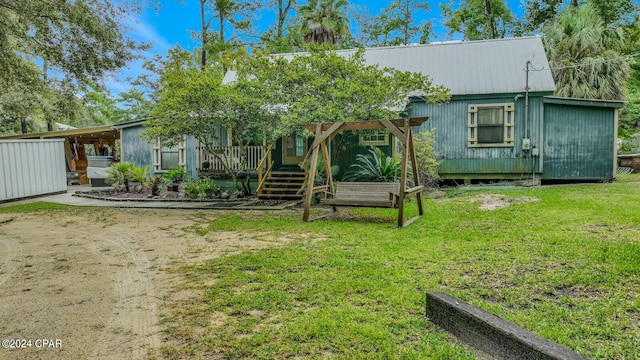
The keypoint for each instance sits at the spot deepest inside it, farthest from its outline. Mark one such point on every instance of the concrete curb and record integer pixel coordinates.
(492, 334)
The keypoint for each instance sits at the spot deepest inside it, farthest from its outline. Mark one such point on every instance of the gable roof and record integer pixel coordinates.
(466, 67)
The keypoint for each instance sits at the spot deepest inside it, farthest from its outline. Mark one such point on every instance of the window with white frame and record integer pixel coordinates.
(375, 138)
(491, 125)
(167, 158)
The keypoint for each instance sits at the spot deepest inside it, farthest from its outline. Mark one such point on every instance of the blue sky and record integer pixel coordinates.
(170, 25)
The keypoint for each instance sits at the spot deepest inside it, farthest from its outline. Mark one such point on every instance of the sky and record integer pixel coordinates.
(170, 25)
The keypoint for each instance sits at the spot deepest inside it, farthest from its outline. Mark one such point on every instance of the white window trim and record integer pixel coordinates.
(509, 125)
(157, 152)
(383, 142)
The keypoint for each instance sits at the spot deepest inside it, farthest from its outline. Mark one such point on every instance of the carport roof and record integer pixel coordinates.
(97, 132)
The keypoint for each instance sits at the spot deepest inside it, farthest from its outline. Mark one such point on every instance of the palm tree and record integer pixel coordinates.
(584, 58)
(324, 21)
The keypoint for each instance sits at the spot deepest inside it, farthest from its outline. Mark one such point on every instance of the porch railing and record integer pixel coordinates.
(236, 157)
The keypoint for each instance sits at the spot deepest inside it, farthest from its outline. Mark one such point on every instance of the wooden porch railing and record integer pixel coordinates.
(236, 157)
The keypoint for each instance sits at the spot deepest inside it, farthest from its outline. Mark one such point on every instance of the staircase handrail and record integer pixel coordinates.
(262, 180)
(262, 161)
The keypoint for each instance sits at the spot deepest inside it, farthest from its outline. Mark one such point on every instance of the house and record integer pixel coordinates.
(188, 154)
(502, 122)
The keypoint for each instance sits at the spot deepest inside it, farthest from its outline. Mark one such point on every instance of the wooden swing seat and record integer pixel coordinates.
(368, 194)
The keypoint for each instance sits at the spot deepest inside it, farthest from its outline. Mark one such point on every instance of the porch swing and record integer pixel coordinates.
(389, 195)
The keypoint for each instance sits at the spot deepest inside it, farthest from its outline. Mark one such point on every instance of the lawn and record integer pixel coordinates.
(563, 262)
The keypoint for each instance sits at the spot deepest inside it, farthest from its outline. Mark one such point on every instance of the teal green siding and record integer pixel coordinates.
(579, 142)
(461, 161)
(135, 149)
(191, 144)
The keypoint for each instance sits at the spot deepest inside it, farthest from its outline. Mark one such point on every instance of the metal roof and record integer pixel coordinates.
(96, 132)
(466, 67)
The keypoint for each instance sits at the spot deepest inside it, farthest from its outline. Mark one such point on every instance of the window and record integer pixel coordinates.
(375, 138)
(167, 158)
(491, 125)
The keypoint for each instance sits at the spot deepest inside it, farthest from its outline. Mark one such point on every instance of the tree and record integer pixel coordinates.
(222, 15)
(78, 41)
(478, 19)
(283, 36)
(274, 95)
(327, 87)
(583, 55)
(394, 25)
(537, 14)
(192, 102)
(82, 39)
(324, 21)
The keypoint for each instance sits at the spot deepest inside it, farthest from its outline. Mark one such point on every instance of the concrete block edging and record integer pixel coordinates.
(490, 333)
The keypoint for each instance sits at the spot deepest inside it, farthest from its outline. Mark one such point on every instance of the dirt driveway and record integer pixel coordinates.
(91, 283)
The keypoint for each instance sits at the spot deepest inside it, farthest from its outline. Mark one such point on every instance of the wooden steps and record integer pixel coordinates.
(283, 185)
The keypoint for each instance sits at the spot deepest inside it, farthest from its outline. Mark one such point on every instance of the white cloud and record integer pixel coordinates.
(139, 30)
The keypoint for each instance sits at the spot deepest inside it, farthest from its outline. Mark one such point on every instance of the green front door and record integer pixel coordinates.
(294, 147)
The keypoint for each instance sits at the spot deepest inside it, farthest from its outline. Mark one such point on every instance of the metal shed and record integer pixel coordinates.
(31, 168)
(579, 139)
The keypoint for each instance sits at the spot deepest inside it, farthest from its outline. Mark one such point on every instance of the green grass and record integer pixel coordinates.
(565, 267)
(34, 206)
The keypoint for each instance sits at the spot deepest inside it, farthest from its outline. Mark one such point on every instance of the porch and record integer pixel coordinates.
(282, 184)
(236, 158)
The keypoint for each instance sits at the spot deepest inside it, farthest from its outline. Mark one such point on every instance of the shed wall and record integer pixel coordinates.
(31, 168)
(136, 149)
(579, 142)
(458, 160)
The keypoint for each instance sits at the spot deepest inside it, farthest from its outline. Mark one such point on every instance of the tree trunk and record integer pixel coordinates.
(203, 59)
(23, 125)
(221, 19)
(487, 4)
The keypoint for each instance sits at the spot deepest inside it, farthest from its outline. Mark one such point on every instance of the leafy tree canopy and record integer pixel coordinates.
(77, 41)
(395, 24)
(584, 55)
(273, 96)
(478, 19)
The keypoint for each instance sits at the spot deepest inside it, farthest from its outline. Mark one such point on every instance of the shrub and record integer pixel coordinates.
(155, 183)
(176, 175)
(375, 167)
(119, 175)
(426, 157)
(202, 188)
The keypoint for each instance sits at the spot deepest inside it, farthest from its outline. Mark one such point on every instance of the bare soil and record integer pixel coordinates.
(99, 280)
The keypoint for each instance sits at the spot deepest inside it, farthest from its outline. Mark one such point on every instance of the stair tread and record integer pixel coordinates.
(298, 196)
(290, 190)
(288, 172)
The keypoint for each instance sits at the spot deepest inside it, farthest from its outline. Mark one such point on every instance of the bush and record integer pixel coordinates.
(426, 157)
(202, 188)
(121, 174)
(155, 183)
(375, 167)
(176, 175)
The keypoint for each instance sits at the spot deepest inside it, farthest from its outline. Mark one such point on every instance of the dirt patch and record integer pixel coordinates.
(492, 202)
(99, 280)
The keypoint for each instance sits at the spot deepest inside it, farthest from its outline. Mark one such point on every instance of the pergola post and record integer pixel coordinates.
(312, 175)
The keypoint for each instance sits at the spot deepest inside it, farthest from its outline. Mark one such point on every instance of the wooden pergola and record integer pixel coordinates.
(400, 128)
